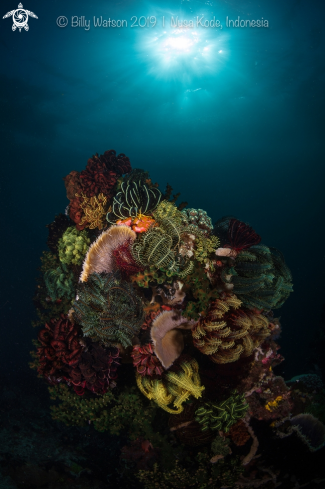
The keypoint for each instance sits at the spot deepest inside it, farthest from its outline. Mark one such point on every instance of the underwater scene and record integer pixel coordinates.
(162, 295)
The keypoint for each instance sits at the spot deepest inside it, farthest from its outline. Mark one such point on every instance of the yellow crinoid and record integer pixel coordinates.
(228, 331)
(272, 405)
(175, 388)
(95, 209)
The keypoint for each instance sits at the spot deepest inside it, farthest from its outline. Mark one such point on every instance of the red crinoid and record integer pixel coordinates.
(60, 348)
(72, 184)
(146, 361)
(96, 369)
(124, 260)
(76, 213)
(102, 172)
(241, 236)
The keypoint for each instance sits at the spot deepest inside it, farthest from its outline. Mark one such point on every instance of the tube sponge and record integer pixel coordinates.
(168, 341)
(73, 246)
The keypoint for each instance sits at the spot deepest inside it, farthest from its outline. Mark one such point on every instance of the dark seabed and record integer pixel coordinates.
(233, 119)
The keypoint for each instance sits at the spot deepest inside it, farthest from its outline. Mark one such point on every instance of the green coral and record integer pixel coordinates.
(49, 261)
(152, 274)
(128, 411)
(204, 247)
(75, 410)
(60, 282)
(73, 246)
(220, 446)
(108, 309)
(160, 275)
(204, 474)
(221, 416)
(46, 308)
(168, 210)
(131, 413)
(198, 285)
(260, 277)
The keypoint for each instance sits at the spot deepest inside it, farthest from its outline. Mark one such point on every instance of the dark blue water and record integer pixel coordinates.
(232, 118)
(237, 132)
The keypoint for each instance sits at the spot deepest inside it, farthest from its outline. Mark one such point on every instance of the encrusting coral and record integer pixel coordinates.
(199, 218)
(135, 283)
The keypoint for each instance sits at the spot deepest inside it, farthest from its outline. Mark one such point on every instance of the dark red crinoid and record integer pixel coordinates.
(241, 236)
(146, 361)
(102, 172)
(60, 349)
(124, 260)
(96, 369)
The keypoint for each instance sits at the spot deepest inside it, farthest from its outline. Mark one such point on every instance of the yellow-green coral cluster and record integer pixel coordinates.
(73, 246)
(206, 475)
(127, 411)
(204, 247)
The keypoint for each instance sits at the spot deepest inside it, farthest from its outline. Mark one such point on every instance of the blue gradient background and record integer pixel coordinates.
(239, 132)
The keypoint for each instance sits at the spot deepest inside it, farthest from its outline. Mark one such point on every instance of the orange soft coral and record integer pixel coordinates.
(139, 224)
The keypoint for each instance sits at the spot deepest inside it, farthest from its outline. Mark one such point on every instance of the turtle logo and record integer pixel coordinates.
(20, 18)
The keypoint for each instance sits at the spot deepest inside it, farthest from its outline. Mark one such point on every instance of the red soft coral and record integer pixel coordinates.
(72, 184)
(102, 172)
(76, 213)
